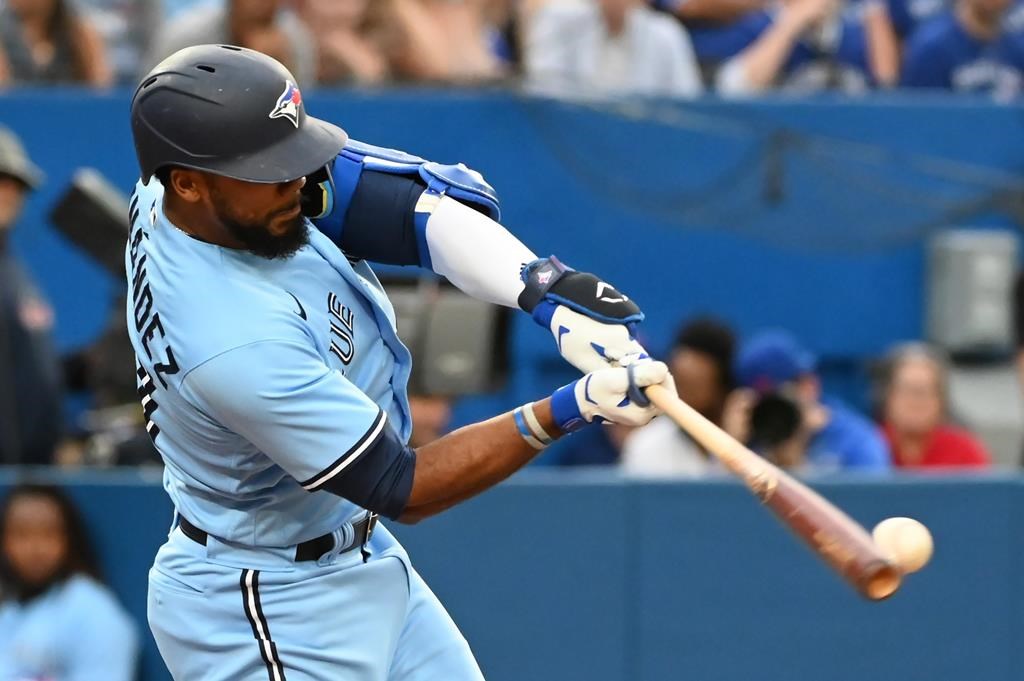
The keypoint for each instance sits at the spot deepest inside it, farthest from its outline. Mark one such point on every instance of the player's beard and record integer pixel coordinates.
(258, 239)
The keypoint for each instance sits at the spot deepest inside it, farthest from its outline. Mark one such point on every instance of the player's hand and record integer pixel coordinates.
(604, 395)
(594, 325)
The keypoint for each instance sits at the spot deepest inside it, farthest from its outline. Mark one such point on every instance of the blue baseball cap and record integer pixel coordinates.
(771, 358)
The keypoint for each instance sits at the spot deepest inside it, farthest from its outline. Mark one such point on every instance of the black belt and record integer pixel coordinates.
(307, 550)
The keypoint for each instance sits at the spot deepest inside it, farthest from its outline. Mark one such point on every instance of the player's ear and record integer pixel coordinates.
(187, 183)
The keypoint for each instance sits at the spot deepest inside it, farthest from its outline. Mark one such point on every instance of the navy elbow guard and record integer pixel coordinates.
(380, 479)
(328, 191)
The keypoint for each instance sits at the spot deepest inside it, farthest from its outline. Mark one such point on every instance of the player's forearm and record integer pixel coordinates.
(475, 253)
(759, 65)
(883, 45)
(470, 460)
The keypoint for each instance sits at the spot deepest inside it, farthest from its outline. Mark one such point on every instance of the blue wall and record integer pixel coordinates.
(807, 214)
(587, 576)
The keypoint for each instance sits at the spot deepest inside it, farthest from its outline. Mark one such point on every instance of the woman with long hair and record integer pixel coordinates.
(47, 41)
(915, 417)
(57, 620)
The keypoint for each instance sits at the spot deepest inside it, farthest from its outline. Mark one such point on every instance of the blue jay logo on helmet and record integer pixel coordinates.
(288, 104)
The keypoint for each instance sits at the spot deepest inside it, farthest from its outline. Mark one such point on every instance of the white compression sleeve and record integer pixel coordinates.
(475, 253)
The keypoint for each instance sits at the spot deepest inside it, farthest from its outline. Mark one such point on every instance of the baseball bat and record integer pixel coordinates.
(830, 533)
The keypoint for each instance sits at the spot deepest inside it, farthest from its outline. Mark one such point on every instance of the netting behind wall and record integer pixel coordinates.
(791, 188)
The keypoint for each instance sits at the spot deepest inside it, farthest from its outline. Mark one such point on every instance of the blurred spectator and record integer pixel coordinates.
(57, 620)
(609, 47)
(966, 49)
(172, 9)
(431, 415)
(1018, 334)
(47, 41)
(128, 28)
(803, 45)
(505, 19)
(30, 395)
(782, 414)
(907, 15)
(262, 25)
(915, 404)
(701, 364)
(712, 11)
(438, 40)
(346, 47)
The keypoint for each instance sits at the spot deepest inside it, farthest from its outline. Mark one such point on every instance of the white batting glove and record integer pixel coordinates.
(590, 345)
(592, 322)
(604, 395)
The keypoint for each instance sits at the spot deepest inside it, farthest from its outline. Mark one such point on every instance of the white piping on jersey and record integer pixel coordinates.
(368, 440)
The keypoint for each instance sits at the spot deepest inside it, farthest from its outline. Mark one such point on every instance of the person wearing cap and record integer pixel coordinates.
(781, 412)
(701, 363)
(275, 386)
(30, 379)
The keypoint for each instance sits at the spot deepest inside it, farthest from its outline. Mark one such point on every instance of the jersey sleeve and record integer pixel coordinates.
(107, 649)
(281, 397)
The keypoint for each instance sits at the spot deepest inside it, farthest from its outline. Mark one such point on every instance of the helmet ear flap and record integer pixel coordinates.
(318, 194)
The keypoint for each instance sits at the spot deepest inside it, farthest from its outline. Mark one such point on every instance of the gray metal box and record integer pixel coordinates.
(970, 288)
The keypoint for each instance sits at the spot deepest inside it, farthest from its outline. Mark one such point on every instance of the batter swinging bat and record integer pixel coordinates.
(830, 533)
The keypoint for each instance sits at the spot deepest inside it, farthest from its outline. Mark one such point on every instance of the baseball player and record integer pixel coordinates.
(273, 381)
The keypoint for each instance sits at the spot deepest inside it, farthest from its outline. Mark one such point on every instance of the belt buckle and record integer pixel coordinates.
(371, 522)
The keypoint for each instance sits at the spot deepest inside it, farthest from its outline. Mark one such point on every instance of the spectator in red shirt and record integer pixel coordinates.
(915, 413)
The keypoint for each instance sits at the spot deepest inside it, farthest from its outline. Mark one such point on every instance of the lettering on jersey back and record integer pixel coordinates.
(146, 318)
(147, 323)
(343, 345)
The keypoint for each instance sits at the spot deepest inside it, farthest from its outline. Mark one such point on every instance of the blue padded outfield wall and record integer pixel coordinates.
(586, 576)
(806, 214)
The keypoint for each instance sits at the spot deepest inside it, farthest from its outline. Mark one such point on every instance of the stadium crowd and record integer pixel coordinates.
(676, 48)
(766, 389)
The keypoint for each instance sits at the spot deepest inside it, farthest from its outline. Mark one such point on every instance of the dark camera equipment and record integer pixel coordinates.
(93, 215)
(774, 419)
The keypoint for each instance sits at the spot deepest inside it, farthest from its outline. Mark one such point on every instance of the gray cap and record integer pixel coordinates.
(15, 162)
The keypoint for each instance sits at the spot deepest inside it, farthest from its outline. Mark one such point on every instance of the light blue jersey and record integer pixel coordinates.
(264, 382)
(261, 380)
(76, 631)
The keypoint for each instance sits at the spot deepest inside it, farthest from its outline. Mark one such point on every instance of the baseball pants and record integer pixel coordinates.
(224, 613)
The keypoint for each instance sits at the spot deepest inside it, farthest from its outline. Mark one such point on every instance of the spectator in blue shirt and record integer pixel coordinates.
(804, 45)
(785, 417)
(966, 49)
(907, 15)
(57, 621)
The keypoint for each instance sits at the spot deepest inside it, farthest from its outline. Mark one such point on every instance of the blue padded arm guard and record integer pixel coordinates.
(329, 192)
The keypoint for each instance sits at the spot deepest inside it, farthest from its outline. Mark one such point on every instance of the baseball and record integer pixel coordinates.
(905, 541)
